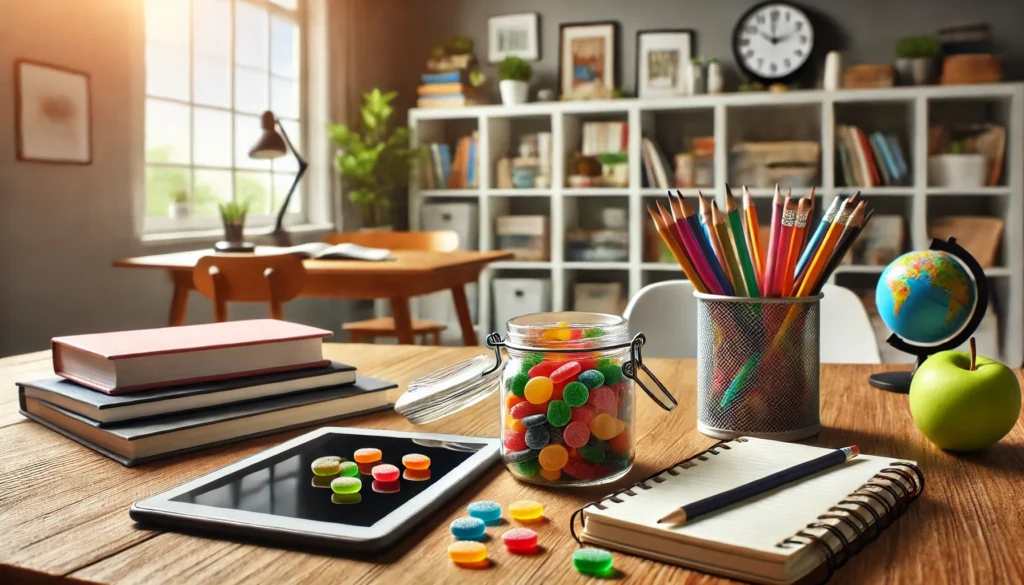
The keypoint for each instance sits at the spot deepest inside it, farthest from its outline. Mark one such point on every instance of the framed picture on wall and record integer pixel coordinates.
(588, 59)
(52, 118)
(661, 59)
(513, 35)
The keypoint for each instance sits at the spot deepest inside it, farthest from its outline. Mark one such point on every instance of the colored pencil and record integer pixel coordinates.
(693, 250)
(729, 251)
(753, 236)
(858, 221)
(739, 241)
(690, 216)
(773, 245)
(670, 236)
(818, 236)
(716, 243)
(824, 252)
(716, 502)
(787, 227)
(796, 244)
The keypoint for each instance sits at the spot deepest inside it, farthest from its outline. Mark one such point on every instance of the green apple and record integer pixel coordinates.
(960, 407)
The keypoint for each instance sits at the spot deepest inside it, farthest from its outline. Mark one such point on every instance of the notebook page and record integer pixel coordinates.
(756, 524)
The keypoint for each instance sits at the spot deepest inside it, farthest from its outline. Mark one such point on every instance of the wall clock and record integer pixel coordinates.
(773, 41)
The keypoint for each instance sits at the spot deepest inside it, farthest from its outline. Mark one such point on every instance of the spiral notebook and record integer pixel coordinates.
(801, 531)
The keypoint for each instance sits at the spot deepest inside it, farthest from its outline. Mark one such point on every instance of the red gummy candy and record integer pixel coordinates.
(576, 334)
(524, 409)
(515, 440)
(385, 473)
(583, 414)
(619, 387)
(558, 389)
(587, 364)
(576, 434)
(578, 469)
(563, 373)
(543, 369)
(604, 400)
(520, 541)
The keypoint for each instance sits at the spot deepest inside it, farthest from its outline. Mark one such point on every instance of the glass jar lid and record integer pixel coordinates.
(450, 389)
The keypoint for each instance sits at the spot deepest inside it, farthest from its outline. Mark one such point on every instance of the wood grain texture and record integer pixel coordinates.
(64, 509)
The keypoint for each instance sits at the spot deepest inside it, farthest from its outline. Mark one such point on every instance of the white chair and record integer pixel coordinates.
(846, 333)
(666, 313)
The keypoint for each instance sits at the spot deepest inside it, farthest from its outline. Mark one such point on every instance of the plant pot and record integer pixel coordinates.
(961, 171)
(233, 231)
(716, 81)
(917, 71)
(513, 92)
(177, 210)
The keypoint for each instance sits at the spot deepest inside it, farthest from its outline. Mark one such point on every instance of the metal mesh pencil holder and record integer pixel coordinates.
(757, 367)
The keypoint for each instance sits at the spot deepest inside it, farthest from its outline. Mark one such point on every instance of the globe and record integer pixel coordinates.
(926, 297)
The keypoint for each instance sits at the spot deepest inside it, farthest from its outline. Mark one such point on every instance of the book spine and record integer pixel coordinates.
(435, 78)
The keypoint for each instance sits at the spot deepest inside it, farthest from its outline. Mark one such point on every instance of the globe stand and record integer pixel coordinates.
(900, 381)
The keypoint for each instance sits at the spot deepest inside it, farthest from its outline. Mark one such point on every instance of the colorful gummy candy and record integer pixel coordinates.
(489, 512)
(551, 475)
(368, 455)
(326, 465)
(553, 457)
(525, 409)
(515, 440)
(592, 561)
(520, 456)
(556, 435)
(349, 468)
(612, 372)
(575, 394)
(543, 369)
(565, 372)
(517, 384)
(528, 468)
(559, 413)
(535, 420)
(579, 469)
(385, 472)
(603, 399)
(465, 551)
(622, 442)
(537, 437)
(592, 454)
(346, 485)
(605, 426)
(591, 378)
(532, 360)
(526, 510)
(467, 528)
(576, 434)
(583, 414)
(538, 390)
(520, 541)
(415, 461)
(416, 474)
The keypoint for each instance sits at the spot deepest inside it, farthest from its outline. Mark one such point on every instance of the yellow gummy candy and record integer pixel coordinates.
(538, 390)
(550, 475)
(525, 510)
(605, 426)
(553, 457)
(561, 332)
(467, 551)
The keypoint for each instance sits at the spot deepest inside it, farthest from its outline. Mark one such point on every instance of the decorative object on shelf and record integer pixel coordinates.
(917, 60)
(988, 140)
(373, 162)
(715, 78)
(453, 78)
(272, 145)
(880, 243)
(773, 41)
(515, 76)
(966, 69)
(981, 236)
(52, 117)
(614, 169)
(526, 236)
(693, 72)
(932, 301)
(232, 215)
(661, 59)
(778, 88)
(588, 59)
(178, 207)
(957, 168)
(966, 38)
(523, 177)
(751, 86)
(833, 68)
(868, 76)
(546, 94)
(503, 171)
(513, 35)
(790, 164)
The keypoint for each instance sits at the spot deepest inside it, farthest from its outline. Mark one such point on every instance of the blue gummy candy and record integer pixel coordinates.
(467, 528)
(591, 379)
(534, 420)
(520, 456)
(555, 435)
(537, 437)
(487, 511)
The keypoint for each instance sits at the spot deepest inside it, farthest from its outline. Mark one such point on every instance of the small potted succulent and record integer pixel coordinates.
(177, 208)
(232, 214)
(515, 76)
(917, 60)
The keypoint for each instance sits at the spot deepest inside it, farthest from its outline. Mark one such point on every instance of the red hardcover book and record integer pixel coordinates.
(865, 147)
(126, 361)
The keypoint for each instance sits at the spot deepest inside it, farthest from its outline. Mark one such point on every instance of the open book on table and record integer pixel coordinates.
(347, 251)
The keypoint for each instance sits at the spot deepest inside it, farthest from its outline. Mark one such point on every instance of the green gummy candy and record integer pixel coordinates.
(559, 413)
(575, 394)
(616, 460)
(527, 468)
(591, 379)
(596, 332)
(611, 372)
(592, 454)
(346, 485)
(349, 468)
(592, 561)
(517, 384)
(531, 360)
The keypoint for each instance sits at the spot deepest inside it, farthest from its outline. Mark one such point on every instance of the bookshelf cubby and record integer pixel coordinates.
(730, 118)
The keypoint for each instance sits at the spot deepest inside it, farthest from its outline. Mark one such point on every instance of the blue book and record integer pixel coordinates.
(897, 152)
(891, 168)
(452, 77)
(449, 96)
(446, 164)
(471, 171)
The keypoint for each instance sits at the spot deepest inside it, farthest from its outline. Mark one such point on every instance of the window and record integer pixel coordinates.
(212, 67)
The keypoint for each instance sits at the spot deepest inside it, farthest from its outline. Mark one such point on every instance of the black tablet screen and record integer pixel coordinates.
(284, 485)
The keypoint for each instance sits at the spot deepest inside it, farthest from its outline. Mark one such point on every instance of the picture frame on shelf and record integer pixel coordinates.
(513, 35)
(662, 56)
(53, 118)
(588, 60)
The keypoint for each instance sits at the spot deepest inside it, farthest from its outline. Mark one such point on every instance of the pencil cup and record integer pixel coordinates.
(757, 367)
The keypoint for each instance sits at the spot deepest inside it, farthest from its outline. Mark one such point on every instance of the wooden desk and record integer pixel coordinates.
(411, 274)
(64, 509)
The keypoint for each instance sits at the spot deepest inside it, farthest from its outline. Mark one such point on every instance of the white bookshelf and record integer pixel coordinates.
(731, 117)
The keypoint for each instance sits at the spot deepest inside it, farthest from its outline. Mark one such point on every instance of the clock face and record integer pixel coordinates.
(773, 41)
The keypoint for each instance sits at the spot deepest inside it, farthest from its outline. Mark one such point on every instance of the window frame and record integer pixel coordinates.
(164, 227)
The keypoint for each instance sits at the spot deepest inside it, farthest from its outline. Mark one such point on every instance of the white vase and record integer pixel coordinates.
(716, 82)
(176, 210)
(960, 171)
(513, 92)
(833, 68)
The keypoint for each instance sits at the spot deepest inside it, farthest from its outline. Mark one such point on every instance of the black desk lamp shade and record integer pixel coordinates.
(270, 145)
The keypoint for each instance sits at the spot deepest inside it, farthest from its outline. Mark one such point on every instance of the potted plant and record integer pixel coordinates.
(917, 60)
(957, 168)
(515, 80)
(178, 206)
(232, 214)
(373, 161)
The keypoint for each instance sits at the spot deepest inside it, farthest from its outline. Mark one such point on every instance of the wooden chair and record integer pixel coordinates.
(369, 329)
(274, 279)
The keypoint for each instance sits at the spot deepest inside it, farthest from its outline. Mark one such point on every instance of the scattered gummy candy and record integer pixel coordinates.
(467, 551)
(553, 457)
(385, 473)
(591, 378)
(415, 461)
(537, 437)
(525, 510)
(558, 413)
(520, 541)
(576, 393)
(346, 485)
(368, 455)
(326, 465)
(349, 468)
(467, 528)
(485, 510)
(592, 561)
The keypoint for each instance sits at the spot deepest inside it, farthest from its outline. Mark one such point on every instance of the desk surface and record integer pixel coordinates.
(64, 509)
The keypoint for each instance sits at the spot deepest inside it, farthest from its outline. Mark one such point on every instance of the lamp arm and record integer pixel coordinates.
(278, 224)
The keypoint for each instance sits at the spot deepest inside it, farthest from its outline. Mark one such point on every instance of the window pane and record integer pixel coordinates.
(167, 132)
(167, 22)
(212, 78)
(210, 27)
(212, 131)
(253, 187)
(247, 132)
(161, 184)
(289, 4)
(167, 71)
(284, 97)
(251, 35)
(284, 48)
(211, 188)
(250, 90)
(283, 182)
(288, 163)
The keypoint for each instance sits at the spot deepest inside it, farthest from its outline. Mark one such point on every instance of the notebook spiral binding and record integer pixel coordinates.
(849, 511)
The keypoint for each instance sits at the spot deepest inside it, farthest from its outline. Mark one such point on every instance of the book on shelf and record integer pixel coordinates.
(444, 89)
(447, 101)
(343, 251)
(129, 361)
(460, 171)
(439, 78)
(657, 164)
(870, 161)
(604, 137)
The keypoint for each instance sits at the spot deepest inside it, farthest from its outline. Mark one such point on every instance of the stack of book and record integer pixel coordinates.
(136, 396)
(445, 90)
(870, 161)
(605, 137)
(439, 170)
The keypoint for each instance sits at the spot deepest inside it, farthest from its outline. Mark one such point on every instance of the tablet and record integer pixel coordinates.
(274, 497)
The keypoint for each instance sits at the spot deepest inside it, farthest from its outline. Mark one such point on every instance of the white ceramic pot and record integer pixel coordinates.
(177, 210)
(513, 92)
(716, 81)
(833, 68)
(961, 171)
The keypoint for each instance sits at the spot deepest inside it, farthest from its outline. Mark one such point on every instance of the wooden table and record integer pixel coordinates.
(411, 274)
(64, 509)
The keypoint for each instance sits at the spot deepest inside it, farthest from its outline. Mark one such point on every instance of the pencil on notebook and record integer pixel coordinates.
(773, 245)
(725, 239)
(669, 236)
(716, 243)
(753, 236)
(739, 241)
(690, 217)
(692, 249)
